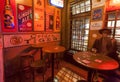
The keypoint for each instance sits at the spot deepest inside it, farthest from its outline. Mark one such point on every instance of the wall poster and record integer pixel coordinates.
(8, 16)
(39, 15)
(50, 18)
(97, 14)
(57, 20)
(24, 18)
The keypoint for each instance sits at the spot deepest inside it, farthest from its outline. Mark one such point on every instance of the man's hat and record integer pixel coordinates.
(105, 30)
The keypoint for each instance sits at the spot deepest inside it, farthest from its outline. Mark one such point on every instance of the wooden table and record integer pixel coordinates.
(52, 50)
(95, 62)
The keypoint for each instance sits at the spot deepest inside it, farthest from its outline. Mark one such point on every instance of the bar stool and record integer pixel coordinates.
(26, 58)
(40, 67)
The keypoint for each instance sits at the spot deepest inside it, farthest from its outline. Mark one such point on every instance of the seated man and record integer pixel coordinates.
(105, 45)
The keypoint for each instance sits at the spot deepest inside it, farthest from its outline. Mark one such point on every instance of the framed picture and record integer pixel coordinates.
(39, 17)
(57, 20)
(8, 16)
(49, 19)
(97, 14)
(24, 20)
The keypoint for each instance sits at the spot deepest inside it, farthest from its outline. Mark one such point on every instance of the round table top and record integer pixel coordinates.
(96, 61)
(53, 49)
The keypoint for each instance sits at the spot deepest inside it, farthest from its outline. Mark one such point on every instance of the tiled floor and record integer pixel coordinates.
(63, 66)
(65, 73)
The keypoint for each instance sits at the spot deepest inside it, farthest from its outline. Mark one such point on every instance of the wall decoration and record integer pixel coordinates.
(96, 25)
(97, 14)
(49, 18)
(24, 18)
(57, 20)
(113, 5)
(39, 15)
(16, 40)
(98, 3)
(27, 39)
(8, 15)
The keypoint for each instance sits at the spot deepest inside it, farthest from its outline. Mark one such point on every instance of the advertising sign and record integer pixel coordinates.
(24, 18)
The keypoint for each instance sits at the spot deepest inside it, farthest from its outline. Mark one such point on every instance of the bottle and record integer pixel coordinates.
(8, 16)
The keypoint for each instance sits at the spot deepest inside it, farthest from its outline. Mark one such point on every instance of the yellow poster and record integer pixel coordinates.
(39, 15)
(57, 20)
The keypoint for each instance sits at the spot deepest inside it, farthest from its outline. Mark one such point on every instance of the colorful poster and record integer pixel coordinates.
(97, 14)
(57, 20)
(39, 15)
(8, 15)
(49, 18)
(24, 18)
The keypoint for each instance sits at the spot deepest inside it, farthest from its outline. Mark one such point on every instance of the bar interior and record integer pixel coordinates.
(59, 40)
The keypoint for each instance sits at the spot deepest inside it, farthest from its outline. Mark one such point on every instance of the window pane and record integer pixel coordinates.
(118, 23)
(82, 7)
(87, 5)
(111, 16)
(73, 9)
(77, 9)
(117, 32)
(110, 23)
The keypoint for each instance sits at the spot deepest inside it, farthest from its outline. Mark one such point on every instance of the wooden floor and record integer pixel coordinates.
(26, 77)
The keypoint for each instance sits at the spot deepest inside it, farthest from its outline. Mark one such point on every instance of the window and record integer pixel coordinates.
(80, 21)
(113, 22)
(81, 7)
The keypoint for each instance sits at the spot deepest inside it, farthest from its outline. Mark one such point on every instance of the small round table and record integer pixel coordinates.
(95, 62)
(53, 49)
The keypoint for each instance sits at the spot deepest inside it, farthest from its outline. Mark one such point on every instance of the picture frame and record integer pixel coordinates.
(39, 15)
(49, 19)
(97, 14)
(25, 23)
(57, 20)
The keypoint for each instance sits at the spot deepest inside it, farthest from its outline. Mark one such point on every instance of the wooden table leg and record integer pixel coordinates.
(53, 67)
(89, 77)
